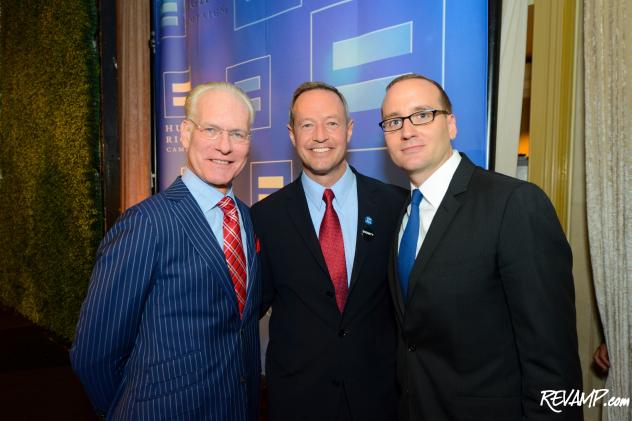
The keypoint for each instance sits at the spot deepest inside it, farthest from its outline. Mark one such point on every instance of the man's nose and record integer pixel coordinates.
(408, 129)
(224, 144)
(320, 133)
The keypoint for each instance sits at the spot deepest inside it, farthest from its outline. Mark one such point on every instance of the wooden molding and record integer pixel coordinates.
(134, 84)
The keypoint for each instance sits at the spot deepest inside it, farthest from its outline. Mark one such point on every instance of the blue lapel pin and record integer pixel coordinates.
(367, 229)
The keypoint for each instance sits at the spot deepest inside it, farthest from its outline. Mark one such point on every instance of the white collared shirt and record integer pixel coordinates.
(433, 191)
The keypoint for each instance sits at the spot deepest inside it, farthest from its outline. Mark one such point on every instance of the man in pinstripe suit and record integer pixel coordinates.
(169, 329)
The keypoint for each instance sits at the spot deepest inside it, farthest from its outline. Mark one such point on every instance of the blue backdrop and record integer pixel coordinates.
(269, 47)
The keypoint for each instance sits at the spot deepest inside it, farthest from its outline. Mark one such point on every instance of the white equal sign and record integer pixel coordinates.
(249, 85)
(384, 43)
(167, 11)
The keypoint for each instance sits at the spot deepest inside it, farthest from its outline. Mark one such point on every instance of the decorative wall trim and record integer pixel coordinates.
(133, 28)
(552, 100)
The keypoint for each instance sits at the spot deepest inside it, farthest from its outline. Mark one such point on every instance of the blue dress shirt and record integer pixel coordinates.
(345, 204)
(207, 197)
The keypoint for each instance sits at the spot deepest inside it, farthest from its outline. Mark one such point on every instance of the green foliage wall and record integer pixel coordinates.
(50, 210)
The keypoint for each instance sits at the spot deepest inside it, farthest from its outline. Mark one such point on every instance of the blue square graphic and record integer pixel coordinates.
(251, 12)
(176, 86)
(269, 47)
(268, 177)
(172, 19)
(359, 47)
(253, 77)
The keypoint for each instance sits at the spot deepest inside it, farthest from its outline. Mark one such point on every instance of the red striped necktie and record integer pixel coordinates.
(233, 250)
(332, 245)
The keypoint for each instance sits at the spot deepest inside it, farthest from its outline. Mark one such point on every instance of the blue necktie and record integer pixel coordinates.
(408, 245)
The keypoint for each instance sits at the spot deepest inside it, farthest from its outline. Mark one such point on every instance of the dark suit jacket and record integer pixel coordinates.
(489, 320)
(315, 355)
(159, 336)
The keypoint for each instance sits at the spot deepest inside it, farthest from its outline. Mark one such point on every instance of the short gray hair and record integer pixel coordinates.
(195, 94)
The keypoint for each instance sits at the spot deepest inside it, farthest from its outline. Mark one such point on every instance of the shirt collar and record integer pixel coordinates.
(437, 184)
(204, 194)
(314, 191)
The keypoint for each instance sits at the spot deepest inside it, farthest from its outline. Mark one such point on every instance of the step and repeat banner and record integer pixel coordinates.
(269, 47)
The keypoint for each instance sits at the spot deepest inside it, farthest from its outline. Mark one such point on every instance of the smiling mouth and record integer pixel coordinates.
(220, 161)
(321, 150)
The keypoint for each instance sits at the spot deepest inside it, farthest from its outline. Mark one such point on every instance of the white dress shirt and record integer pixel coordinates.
(433, 191)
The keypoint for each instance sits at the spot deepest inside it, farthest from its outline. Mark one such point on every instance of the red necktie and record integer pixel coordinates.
(333, 248)
(233, 250)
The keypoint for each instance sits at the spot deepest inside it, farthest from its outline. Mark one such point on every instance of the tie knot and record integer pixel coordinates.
(328, 196)
(227, 205)
(417, 196)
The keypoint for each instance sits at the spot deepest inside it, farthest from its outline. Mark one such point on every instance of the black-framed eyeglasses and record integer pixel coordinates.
(418, 118)
(212, 132)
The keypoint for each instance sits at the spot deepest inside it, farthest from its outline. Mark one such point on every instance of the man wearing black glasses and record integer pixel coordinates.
(480, 274)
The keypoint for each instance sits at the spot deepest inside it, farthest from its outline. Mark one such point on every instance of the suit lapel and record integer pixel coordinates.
(366, 208)
(192, 222)
(299, 215)
(447, 210)
(251, 255)
(396, 291)
(250, 244)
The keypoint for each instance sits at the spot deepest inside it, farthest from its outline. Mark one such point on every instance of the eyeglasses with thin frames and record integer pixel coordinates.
(418, 118)
(212, 133)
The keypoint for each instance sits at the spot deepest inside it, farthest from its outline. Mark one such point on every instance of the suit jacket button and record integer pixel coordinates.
(412, 347)
(335, 383)
(343, 332)
(242, 380)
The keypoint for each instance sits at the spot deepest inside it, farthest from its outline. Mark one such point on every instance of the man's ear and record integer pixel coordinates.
(349, 129)
(452, 126)
(290, 131)
(185, 133)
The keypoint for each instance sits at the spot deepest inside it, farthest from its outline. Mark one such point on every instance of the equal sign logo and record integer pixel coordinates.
(180, 92)
(253, 77)
(172, 22)
(272, 182)
(362, 57)
(268, 177)
(177, 85)
(371, 47)
(249, 85)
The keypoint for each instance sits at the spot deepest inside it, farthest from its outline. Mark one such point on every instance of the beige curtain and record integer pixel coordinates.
(608, 83)
(513, 44)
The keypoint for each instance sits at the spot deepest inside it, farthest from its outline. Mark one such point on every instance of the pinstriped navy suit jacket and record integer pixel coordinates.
(159, 336)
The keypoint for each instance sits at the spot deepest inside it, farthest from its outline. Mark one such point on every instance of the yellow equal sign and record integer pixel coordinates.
(270, 182)
(180, 88)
